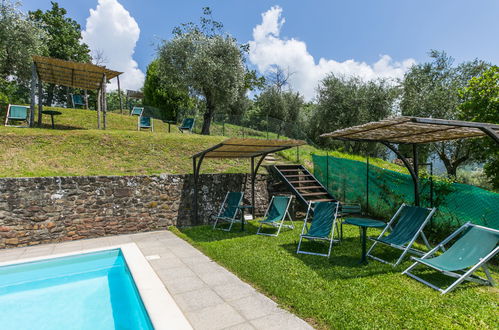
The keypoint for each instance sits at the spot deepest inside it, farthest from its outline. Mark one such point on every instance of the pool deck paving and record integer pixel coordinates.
(210, 296)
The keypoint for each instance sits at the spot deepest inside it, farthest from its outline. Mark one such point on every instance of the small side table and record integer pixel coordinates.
(169, 122)
(242, 208)
(364, 223)
(52, 113)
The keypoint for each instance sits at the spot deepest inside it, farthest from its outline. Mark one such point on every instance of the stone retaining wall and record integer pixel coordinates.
(55, 209)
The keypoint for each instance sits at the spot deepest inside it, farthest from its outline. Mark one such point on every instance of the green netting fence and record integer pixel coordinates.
(381, 191)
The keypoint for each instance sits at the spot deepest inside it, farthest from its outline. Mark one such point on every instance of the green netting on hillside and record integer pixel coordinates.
(386, 190)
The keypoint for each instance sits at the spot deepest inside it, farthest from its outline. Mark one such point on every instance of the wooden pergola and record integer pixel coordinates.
(239, 148)
(414, 131)
(85, 76)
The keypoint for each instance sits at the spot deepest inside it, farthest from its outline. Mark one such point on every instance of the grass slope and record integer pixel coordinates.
(338, 293)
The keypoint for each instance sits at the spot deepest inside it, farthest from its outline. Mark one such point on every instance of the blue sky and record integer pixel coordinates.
(336, 31)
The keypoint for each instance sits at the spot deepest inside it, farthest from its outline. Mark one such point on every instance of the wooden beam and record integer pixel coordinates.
(119, 94)
(32, 95)
(99, 103)
(104, 101)
(491, 133)
(86, 99)
(40, 101)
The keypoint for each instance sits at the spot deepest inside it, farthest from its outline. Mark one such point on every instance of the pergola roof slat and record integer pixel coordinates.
(72, 74)
(412, 130)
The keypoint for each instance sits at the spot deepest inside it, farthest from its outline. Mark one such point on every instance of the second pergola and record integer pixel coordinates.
(254, 149)
(414, 131)
(85, 76)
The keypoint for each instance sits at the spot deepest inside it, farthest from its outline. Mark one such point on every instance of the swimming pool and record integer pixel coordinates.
(85, 291)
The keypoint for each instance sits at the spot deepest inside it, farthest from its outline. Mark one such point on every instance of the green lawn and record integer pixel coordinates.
(339, 293)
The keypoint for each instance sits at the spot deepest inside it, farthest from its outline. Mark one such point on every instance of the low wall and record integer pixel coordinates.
(55, 209)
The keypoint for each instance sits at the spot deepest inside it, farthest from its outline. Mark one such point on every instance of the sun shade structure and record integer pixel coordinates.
(85, 76)
(239, 148)
(414, 130)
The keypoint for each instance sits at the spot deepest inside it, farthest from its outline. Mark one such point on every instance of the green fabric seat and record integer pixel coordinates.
(229, 209)
(276, 212)
(17, 113)
(187, 125)
(475, 246)
(322, 222)
(322, 227)
(145, 122)
(137, 111)
(465, 252)
(77, 100)
(406, 225)
(277, 209)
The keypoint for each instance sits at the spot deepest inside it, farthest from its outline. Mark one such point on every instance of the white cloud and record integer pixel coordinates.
(267, 49)
(111, 30)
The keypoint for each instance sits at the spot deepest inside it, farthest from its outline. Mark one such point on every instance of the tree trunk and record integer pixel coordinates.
(208, 115)
(50, 95)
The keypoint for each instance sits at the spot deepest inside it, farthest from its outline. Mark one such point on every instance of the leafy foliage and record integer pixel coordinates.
(205, 62)
(348, 101)
(481, 104)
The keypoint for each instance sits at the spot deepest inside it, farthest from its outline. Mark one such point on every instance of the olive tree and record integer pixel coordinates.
(205, 62)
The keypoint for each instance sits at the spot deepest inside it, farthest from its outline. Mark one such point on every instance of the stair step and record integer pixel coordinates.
(303, 181)
(308, 187)
(322, 200)
(298, 175)
(315, 193)
(290, 169)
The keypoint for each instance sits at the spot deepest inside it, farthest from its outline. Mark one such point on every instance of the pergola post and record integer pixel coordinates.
(253, 177)
(195, 193)
(86, 99)
(32, 95)
(119, 94)
(40, 101)
(415, 165)
(99, 101)
(104, 101)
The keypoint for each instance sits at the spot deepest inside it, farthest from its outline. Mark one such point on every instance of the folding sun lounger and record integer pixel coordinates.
(17, 113)
(474, 248)
(187, 125)
(277, 210)
(77, 100)
(229, 209)
(322, 226)
(410, 225)
(136, 111)
(145, 122)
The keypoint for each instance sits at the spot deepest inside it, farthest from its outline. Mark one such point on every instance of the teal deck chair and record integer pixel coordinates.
(187, 125)
(322, 227)
(275, 214)
(136, 111)
(229, 210)
(145, 122)
(77, 100)
(17, 113)
(474, 248)
(410, 225)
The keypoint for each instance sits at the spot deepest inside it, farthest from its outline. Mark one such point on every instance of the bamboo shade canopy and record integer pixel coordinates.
(72, 74)
(414, 130)
(134, 94)
(247, 148)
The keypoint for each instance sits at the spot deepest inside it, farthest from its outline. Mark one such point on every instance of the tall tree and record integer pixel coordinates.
(481, 103)
(432, 90)
(64, 42)
(206, 62)
(19, 40)
(348, 101)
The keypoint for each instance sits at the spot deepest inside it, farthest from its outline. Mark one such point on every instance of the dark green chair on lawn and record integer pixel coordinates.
(474, 248)
(17, 113)
(137, 111)
(77, 100)
(229, 210)
(145, 123)
(410, 222)
(322, 227)
(187, 125)
(276, 212)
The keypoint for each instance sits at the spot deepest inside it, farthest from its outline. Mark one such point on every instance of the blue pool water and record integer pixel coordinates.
(87, 291)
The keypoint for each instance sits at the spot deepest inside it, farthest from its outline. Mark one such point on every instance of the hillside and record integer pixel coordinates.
(77, 148)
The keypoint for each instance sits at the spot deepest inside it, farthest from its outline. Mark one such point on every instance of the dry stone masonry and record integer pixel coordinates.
(54, 209)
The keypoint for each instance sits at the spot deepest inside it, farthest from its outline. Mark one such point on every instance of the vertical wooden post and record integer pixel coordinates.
(119, 95)
(86, 99)
(104, 102)
(40, 101)
(415, 167)
(32, 94)
(253, 178)
(367, 184)
(99, 103)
